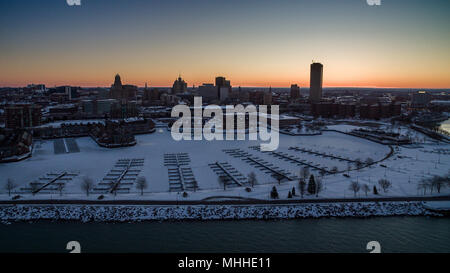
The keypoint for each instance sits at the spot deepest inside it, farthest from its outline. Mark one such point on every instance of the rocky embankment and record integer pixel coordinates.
(116, 213)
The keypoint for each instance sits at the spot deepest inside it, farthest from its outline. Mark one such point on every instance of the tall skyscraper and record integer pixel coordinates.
(420, 99)
(315, 83)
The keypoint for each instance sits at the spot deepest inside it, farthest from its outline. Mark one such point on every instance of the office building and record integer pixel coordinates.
(315, 84)
(223, 88)
(295, 92)
(22, 116)
(208, 92)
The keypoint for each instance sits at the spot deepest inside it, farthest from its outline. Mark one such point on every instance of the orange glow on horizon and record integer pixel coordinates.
(273, 84)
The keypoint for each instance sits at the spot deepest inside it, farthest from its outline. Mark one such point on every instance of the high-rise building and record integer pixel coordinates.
(179, 86)
(267, 99)
(224, 93)
(257, 97)
(315, 83)
(122, 110)
(151, 96)
(420, 99)
(208, 91)
(22, 116)
(223, 87)
(68, 92)
(122, 92)
(97, 108)
(222, 81)
(295, 92)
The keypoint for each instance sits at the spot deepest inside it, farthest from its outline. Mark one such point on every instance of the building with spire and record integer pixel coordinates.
(179, 86)
(122, 92)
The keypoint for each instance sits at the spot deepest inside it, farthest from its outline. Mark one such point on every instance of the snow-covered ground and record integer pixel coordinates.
(387, 127)
(404, 169)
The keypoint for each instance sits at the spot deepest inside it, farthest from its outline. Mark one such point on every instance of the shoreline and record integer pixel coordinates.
(141, 213)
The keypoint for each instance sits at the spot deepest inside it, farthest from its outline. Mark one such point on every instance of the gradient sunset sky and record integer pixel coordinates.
(402, 43)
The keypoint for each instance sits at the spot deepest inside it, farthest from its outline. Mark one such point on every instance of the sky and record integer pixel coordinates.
(401, 43)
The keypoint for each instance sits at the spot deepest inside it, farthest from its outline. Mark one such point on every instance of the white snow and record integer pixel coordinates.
(405, 169)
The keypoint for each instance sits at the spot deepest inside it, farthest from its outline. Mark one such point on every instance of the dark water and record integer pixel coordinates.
(395, 234)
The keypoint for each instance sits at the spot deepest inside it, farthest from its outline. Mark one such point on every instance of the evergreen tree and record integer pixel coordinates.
(312, 185)
(293, 191)
(274, 193)
(289, 194)
(375, 191)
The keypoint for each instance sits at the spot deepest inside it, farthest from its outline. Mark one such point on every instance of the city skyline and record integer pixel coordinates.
(402, 44)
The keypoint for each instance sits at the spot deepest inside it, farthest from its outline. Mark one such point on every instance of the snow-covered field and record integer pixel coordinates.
(404, 169)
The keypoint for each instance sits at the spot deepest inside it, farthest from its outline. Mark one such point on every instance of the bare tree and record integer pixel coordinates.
(302, 187)
(60, 187)
(10, 185)
(252, 179)
(141, 184)
(87, 184)
(195, 186)
(319, 185)
(279, 178)
(385, 184)
(322, 172)
(34, 186)
(304, 173)
(358, 163)
(365, 188)
(355, 187)
(423, 186)
(223, 182)
(438, 182)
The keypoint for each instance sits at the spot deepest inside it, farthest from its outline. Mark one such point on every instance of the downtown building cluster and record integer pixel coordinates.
(34, 106)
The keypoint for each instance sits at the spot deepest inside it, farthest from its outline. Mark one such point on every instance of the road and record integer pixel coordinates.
(211, 201)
